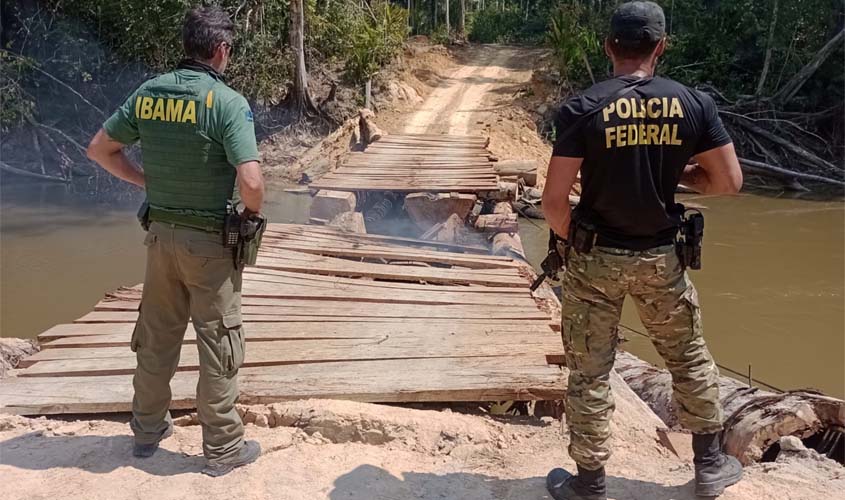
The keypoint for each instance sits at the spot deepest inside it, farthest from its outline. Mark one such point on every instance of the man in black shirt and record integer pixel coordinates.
(631, 138)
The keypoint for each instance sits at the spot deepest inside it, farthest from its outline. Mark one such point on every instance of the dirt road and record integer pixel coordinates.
(457, 104)
(476, 96)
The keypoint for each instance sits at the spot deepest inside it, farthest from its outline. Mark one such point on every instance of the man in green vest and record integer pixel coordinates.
(197, 140)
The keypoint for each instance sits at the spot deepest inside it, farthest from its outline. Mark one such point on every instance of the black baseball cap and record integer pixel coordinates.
(636, 22)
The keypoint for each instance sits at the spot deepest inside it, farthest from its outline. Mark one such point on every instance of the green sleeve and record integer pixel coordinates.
(122, 126)
(239, 132)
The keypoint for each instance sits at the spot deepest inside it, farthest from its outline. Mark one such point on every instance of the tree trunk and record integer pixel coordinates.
(768, 59)
(788, 91)
(448, 25)
(463, 20)
(755, 419)
(370, 132)
(300, 98)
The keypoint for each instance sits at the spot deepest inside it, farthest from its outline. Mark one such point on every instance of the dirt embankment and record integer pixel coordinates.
(471, 90)
(345, 450)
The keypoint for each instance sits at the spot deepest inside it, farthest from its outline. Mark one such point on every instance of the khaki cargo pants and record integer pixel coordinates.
(189, 275)
(594, 288)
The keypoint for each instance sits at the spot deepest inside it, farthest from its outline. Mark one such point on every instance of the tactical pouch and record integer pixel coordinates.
(690, 238)
(144, 215)
(582, 236)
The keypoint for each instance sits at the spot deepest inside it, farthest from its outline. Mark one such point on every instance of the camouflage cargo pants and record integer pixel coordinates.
(189, 275)
(594, 288)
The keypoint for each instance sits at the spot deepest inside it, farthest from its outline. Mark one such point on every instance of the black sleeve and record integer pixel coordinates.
(713, 133)
(569, 143)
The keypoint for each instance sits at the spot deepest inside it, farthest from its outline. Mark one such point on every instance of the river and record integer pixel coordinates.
(771, 289)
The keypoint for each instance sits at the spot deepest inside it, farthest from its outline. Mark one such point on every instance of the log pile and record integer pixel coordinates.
(779, 143)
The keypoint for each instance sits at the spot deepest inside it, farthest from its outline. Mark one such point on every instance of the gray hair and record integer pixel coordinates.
(205, 28)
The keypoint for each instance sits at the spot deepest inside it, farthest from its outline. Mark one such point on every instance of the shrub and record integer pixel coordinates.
(496, 26)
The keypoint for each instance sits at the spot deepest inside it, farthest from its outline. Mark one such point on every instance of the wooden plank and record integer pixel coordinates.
(413, 175)
(69, 362)
(394, 240)
(326, 308)
(76, 333)
(317, 280)
(520, 378)
(132, 317)
(270, 246)
(402, 184)
(401, 188)
(474, 139)
(339, 267)
(256, 287)
(392, 271)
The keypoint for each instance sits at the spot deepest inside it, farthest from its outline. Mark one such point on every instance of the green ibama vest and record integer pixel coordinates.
(188, 178)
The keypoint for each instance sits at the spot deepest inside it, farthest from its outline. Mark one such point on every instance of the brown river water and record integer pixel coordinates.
(772, 288)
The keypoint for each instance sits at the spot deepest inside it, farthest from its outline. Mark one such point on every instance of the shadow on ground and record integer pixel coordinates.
(368, 482)
(94, 454)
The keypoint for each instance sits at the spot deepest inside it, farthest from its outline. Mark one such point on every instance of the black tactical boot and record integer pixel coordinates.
(249, 453)
(587, 485)
(148, 450)
(714, 470)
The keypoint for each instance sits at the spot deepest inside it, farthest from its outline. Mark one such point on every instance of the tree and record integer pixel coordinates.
(300, 98)
(462, 20)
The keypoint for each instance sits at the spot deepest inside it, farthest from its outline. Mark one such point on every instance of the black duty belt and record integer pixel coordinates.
(185, 220)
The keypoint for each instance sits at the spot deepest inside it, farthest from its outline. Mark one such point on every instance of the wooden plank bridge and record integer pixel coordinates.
(412, 163)
(329, 314)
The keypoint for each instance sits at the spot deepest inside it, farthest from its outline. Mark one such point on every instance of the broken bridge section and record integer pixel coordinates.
(410, 163)
(329, 314)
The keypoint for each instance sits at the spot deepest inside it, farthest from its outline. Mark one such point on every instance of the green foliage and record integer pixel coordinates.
(725, 43)
(496, 26)
(439, 36)
(150, 32)
(377, 41)
(572, 42)
(361, 37)
(15, 103)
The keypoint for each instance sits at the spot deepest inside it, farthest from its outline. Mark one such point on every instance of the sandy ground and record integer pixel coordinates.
(350, 451)
(342, 450)
(475, 96)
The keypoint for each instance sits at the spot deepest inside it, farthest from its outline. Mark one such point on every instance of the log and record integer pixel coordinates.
(794, 148)
(26, 173)
(507, 192)
(497, 223)
(451, 231)
(790, 88)
(370, 132)
(352, 222)
(503, 207)
(785, 174)
(523, 169)
(328, 204)
(755, 419)
(509, 245)
(427, 209)
(12, 350)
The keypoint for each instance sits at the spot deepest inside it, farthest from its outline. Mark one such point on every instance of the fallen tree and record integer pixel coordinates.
(778, 139)
(755, 419)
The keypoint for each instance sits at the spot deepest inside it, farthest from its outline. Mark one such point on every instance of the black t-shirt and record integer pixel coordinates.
(634, 152)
